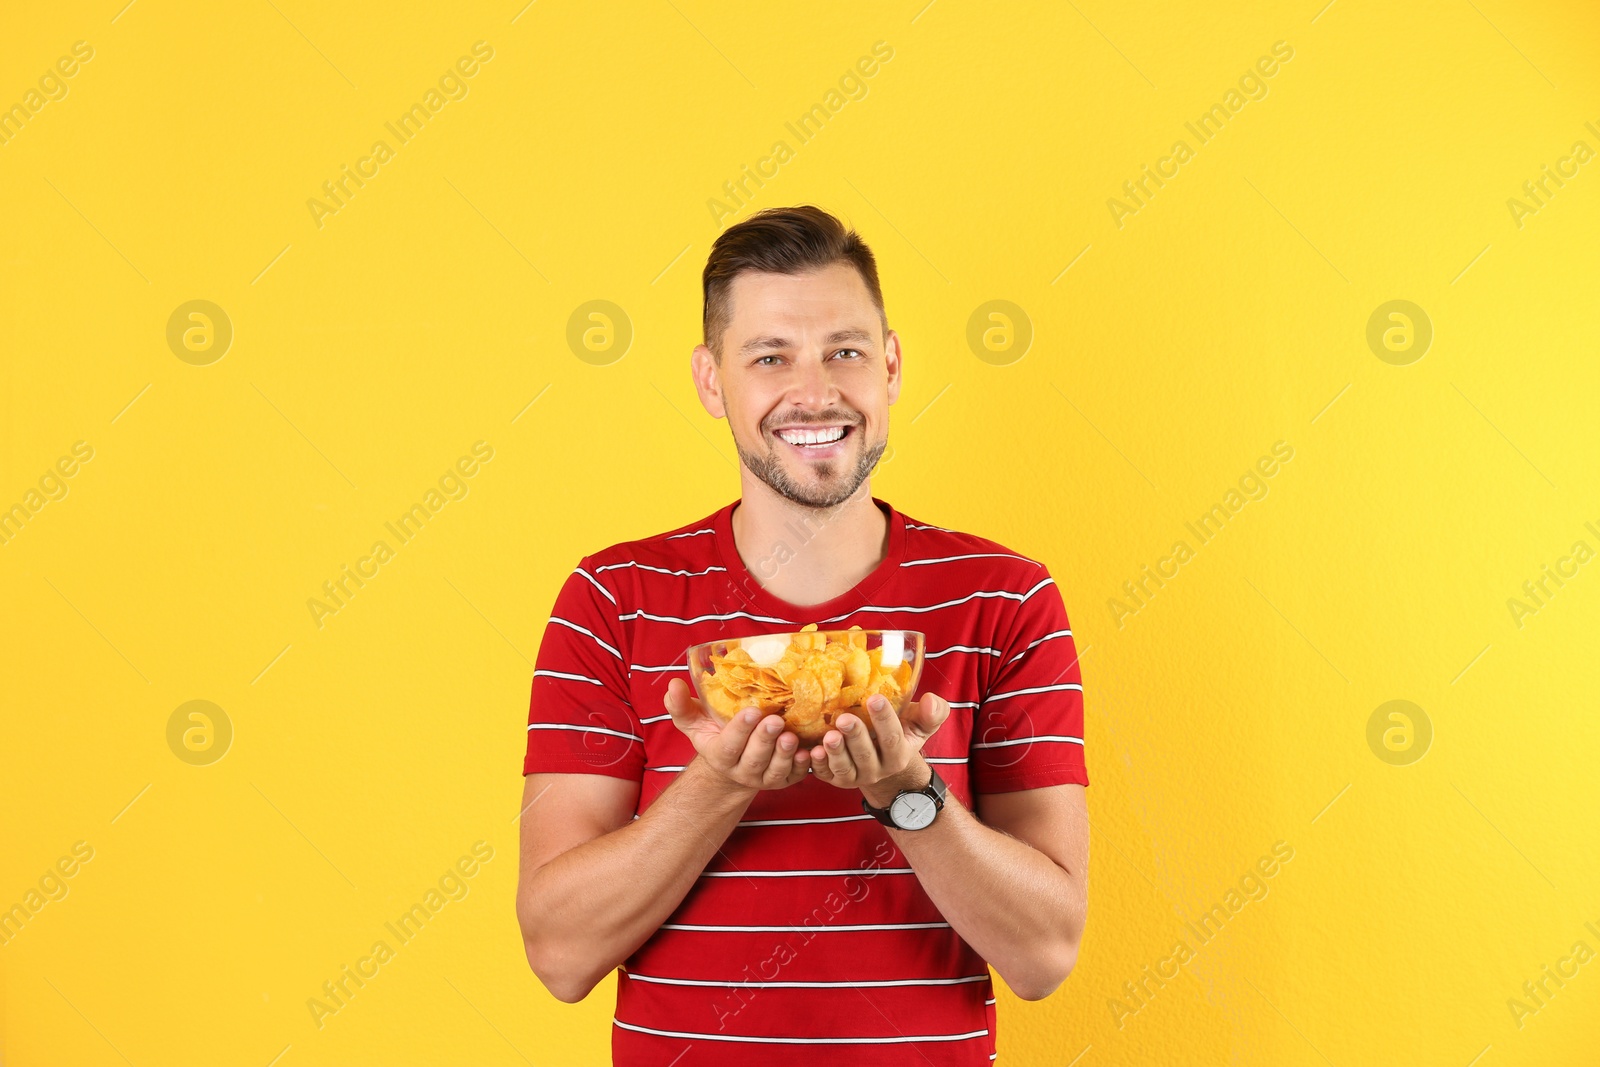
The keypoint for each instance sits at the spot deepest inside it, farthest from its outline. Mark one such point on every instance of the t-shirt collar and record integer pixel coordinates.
(748, 589)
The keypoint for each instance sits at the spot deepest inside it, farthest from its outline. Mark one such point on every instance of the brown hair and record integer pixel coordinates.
(780, 240)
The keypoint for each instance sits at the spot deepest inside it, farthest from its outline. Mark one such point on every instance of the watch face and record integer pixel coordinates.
(913, 811)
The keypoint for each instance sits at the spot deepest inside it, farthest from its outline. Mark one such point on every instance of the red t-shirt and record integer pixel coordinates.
(809, 931)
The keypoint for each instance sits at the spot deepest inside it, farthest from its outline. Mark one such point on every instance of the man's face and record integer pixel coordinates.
(804, 359)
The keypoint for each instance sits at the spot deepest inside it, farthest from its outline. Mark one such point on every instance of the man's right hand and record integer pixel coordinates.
(748, 751)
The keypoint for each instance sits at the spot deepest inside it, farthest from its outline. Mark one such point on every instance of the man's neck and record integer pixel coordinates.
(807, 555)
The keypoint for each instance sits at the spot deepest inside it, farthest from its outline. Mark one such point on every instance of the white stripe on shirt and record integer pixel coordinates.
(691, 533)
(1042, 640)
(596, 582)
(641, 614)
(806, 985)
(961, 648)
(801, 874)
(974, 555)
(1006, 594)
(590, 633)
(796, 822)
(584, 729)
(1029, 740)
(657, 570)
(991, 698)
(802, 929)
(541, 673)
(900, 1040)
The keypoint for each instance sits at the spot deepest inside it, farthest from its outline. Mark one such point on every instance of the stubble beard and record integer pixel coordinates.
(770, 469)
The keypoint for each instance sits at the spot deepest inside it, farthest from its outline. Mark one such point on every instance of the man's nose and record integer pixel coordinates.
(813, 386)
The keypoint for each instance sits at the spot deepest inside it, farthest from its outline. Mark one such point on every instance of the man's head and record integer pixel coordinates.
(797, 345)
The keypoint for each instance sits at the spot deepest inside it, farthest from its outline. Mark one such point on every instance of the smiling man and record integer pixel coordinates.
(763, 901)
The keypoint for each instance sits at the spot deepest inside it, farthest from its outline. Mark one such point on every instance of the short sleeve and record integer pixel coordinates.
(579, 717)
(1028, 730)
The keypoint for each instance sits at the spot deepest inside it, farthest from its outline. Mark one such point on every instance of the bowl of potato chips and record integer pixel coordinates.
(809, 676)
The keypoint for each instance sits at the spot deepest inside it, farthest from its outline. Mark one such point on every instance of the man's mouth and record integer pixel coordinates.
(814, 440)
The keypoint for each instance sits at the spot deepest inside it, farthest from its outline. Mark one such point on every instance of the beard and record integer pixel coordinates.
(837, 479)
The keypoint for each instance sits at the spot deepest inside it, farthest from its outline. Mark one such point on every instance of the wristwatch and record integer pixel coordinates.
(911, 809)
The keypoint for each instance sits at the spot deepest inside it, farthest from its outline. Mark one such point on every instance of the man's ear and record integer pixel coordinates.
(891, 359)
(708, 381)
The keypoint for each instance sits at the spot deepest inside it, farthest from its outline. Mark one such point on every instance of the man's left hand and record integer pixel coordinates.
(849, 758)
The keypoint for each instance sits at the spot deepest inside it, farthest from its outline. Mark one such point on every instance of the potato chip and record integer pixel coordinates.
(830, 672)
(857, 666)
(814, 678)
(807, 693)
(716, 695)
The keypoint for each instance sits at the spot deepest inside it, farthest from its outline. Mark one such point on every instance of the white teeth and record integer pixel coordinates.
(812, 437)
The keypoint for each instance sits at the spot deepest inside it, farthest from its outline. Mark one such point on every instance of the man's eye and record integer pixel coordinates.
(761, 361)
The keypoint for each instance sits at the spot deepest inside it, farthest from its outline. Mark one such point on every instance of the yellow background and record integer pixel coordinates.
(1230, 712)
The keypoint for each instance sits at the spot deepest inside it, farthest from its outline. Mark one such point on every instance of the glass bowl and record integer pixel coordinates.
(809, 676)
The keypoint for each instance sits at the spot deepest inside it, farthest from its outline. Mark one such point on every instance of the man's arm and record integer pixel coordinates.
(1014, 885)
(595, 883)
(1017, 889)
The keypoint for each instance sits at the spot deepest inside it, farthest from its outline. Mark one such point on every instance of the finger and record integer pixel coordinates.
(859, 745)
(892, 744)
(676, 700)
(802, 764)
(802, 756)
(760, 746)
(840, 764)
(928, 714)
(781, 768)
(819, 763)
(686, 710)
(730, 743)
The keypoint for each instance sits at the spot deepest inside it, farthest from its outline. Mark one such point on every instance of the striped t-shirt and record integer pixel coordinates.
(808, 935)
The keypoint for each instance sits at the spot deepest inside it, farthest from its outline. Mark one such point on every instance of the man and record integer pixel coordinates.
(754, 909)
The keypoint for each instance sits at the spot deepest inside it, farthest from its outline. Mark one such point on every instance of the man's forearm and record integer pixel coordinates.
(1016, 908)
(588, 909)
